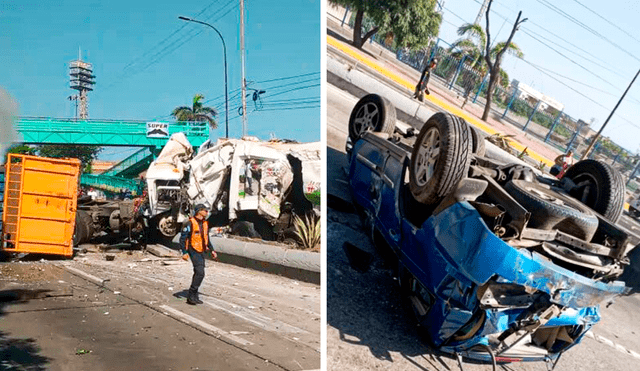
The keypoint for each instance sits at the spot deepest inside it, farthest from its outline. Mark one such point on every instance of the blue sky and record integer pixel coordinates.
(141, 77)
(596, 71)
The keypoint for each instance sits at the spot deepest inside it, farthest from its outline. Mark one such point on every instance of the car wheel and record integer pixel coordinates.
(440, 157)
(552, 210)
(598, 186)
(372, 113)
(477, 142)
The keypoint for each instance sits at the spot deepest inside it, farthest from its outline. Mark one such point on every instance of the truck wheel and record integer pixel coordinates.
(598, 186)
(550, 209)
(477, 142)
(83, 230)
(168, 226)
(372, 113)
(440, 157)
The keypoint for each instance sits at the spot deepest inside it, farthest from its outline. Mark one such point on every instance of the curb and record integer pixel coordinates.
(346, 73)
(410, 86)
(296, 264)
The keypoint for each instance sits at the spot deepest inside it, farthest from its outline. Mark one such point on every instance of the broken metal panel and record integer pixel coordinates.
(207, 175)
(167, 170)
(460, 234)
(246, 191)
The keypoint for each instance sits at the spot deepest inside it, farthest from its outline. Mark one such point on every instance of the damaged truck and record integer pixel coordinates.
(497, 262)
(251, 188)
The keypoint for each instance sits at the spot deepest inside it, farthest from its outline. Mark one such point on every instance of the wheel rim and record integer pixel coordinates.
(427, 159)
(366, 119)
(167, 226)
(551, 198)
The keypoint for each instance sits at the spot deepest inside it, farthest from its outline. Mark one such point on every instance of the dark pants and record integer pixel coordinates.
(197, 259)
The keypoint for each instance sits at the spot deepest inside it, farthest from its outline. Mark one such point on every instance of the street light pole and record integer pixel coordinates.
(226, 89)
(244, 80)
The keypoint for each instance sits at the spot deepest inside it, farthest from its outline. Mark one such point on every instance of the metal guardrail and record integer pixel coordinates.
(128, 162)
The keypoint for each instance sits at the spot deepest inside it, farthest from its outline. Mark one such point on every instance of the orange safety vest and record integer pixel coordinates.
(196, 238)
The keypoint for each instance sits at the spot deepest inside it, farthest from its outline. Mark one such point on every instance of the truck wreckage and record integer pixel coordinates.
(497, 262)
(252, 188)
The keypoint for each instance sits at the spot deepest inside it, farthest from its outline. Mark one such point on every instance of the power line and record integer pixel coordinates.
(593, 56)
(289, 77)
(529, 33)
(606, 20)
(289, 109)
(579, 93)
(294, 89)
(159, 55)
(579, 23)
(168, 37)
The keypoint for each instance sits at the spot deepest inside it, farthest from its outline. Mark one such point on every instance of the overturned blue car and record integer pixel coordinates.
(498, 262)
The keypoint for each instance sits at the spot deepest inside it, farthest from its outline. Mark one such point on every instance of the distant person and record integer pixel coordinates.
(562, 163)
(93, 193)
(194, 242)
(469, 83)
(421, 87)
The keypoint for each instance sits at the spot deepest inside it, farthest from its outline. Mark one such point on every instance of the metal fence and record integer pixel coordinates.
(456, 72)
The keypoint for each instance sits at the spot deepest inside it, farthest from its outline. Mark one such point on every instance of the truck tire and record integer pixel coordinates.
(477, 143)
(372, 113)
(83, 230)
(440, 157)
(598, 186)
(552, 210)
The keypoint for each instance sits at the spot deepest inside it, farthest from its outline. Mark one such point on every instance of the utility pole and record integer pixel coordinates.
(595, 139)
(483, 9)
(244, 80)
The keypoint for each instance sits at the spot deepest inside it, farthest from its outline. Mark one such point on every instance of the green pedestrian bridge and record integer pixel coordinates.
(111, 133)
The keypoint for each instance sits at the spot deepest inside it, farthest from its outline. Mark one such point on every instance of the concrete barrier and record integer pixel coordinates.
(297, 264)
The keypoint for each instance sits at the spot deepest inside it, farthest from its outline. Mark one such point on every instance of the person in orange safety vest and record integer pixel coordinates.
(194, 242)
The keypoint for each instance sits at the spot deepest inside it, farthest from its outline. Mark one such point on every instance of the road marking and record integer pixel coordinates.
(78, 272)
(208, 328)
(259, 320)
(610, 343)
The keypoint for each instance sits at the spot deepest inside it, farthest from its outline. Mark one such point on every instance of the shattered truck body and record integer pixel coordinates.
(497, 263)
(233, 179)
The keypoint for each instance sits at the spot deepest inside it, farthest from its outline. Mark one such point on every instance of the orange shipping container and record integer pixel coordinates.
(40, 202)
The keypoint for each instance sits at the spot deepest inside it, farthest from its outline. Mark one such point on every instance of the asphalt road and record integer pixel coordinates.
(54, 318)
(368, 325)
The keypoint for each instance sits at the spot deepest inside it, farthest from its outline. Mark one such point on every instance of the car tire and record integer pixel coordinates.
(552, 210)
(440, 157)
(477, 142)
(372, 113)
(608, 197)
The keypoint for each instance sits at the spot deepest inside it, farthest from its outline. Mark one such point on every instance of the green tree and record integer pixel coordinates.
(197, 112)
(86, 154)
(473, 43)
(411, 22)
(22, 149)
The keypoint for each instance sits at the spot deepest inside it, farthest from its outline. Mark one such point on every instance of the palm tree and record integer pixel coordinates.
(197, 112)
(473, 44)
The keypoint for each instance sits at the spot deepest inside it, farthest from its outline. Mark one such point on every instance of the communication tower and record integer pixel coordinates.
(82, 80)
